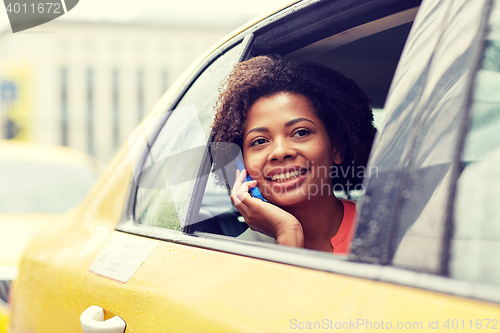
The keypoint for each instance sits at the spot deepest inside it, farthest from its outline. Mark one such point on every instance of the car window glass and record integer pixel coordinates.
(380, 207)
(217, 214)
(425, 190)
(172, 164)
(476, 239)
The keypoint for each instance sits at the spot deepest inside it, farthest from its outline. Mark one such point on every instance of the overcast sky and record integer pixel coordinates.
(230, 12)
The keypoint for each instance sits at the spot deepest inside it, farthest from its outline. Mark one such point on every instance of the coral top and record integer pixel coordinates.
(341, 242)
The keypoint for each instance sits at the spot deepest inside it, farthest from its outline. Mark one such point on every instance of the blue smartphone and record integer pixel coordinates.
(254, 192)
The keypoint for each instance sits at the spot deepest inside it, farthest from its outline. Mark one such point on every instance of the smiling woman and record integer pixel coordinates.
(296, 123)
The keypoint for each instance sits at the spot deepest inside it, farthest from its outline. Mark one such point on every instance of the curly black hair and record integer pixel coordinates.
(338, 101)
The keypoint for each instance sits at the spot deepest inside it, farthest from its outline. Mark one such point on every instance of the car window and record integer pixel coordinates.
(404, 214)
(425, 193)
(217, 215)
(476, 239)
(172, 164)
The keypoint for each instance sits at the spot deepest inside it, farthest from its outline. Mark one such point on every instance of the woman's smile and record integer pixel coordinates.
(284, 174)
(285, 181)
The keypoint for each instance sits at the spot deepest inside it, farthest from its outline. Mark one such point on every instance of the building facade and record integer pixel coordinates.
(87, 85)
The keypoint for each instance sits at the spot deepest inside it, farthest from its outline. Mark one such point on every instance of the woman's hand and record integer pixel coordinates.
(265, 217)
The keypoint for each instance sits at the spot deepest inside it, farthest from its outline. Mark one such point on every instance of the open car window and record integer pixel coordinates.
(369, 54)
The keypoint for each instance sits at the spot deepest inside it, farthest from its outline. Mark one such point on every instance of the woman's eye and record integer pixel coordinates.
(258, 142)
(301, 132)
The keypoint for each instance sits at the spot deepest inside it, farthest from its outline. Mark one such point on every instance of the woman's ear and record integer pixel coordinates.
(338, 158)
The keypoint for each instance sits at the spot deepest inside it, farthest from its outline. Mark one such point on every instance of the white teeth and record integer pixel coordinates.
(285, 176)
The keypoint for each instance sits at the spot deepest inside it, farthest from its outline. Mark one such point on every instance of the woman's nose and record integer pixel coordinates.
(281, 149)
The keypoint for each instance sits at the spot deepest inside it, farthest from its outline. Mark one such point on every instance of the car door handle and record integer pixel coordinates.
(92, 321)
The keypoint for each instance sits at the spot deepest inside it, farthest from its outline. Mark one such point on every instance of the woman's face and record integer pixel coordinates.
(287, 149)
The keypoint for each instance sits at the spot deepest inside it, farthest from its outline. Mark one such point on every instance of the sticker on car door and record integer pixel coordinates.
(122, 256)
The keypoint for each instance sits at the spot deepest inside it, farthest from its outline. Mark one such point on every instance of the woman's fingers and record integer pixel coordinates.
(242, 195)
(236, 188)
(237, 182)
(241, 187)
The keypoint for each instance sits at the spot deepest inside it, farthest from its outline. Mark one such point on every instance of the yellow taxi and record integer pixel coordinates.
(157, 247)
(39, 182)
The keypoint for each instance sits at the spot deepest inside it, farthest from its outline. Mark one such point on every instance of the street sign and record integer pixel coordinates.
(8, 91)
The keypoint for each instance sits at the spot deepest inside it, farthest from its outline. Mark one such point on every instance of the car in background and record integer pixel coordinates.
(155, 248)
(38, 183)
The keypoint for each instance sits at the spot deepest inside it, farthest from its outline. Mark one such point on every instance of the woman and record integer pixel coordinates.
(300, 126)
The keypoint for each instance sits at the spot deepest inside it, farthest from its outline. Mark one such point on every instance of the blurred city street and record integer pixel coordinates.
(86, 79)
